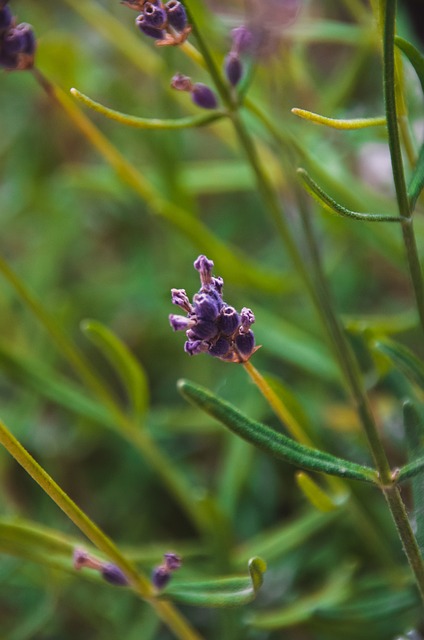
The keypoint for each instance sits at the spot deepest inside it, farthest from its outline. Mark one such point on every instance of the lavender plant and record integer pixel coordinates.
(318, 473)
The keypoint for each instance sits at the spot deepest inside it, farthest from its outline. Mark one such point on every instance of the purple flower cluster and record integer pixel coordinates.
(17, 42)
(211, 325)
(166, 22)
(161, 575)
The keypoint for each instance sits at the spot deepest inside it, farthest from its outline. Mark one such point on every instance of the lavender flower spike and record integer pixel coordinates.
(211, 325)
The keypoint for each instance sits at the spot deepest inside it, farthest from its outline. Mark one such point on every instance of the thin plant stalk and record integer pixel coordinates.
(165, 610)
(388, 17)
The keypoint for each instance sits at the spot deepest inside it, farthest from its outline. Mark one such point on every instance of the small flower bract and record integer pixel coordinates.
(211, 325)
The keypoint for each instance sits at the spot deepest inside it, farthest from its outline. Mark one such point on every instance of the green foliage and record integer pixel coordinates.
(102, 213)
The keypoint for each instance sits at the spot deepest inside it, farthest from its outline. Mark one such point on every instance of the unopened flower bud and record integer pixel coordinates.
(147, 29)
(17, 48)
(228, 320)
(194, 347)
(220, 348)
(172, 561)
(160, 577)
(203, 96)
(204, 267)
(202, 330)
(177, 16)
(113, 574)
(154, 16)
(233, 68)
(242, 39)
(245, 343)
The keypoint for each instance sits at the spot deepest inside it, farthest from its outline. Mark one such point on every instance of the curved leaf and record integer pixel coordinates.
(148, 123)
(416, 183)
(334, 207)
(414, 432)
(404, 359)
(414, 56)
(336, 123)
(219, 592)
(271, 441)
(123, 361)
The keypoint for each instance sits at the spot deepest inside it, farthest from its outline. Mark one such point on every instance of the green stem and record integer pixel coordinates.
(388, 15)
(167, 612)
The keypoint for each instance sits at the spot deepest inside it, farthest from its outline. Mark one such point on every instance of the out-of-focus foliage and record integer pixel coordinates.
(86, 245)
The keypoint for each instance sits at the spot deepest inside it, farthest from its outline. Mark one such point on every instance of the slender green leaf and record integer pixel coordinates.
(416, 183)
(414, 56)
(148, 123)
(220, 592)
(337, 123)
(334, 207)
(404, 359)
(271, 441)
(124, 363)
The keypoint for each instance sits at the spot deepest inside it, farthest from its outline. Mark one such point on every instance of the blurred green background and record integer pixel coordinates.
(87, 246)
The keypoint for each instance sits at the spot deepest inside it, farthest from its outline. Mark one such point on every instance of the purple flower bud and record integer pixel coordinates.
(179, 323)
(247, 318)
(172, 561)
(204, 267)
(160, 577)
(245, 343)
(233, 68)
(148, 30)
(180, 298)
(242, 39)
(113, 574)
(203, 96)
(176, 13)
(205, 306)
(154, 16)
(194, 347)
(202, 330)
(181, 82)
(6, 18)
(218, 284)
(228, 320)
(20, 39)
(220, 348)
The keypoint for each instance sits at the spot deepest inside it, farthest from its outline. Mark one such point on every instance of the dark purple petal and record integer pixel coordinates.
(220, 348)
(203, 96)
(154, 16)
(205, 306)
(176, 13)
(247, 318)
(148, 30)
(113, 574)
(179, 323)
(194, 347)
(160, 577)
(202, 330)
(228, 320)
(172, 561)
(6, 18)
(245, 343)
(180, 298)
(233, 68)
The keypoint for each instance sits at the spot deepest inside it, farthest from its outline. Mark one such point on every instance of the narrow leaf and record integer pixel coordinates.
(355, 123)
(148, 123)
(123, 361)
(314, 494)
(271, 441)
(220, 592)
(404, 359)
(414, 56)
(417, 180)
(334, 207)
